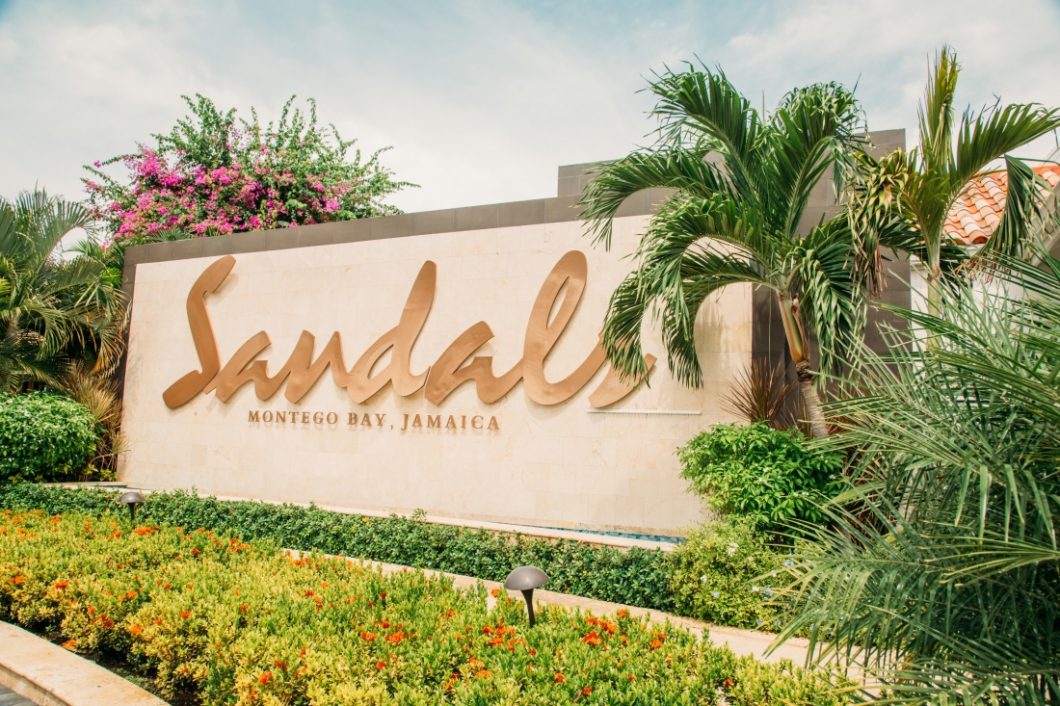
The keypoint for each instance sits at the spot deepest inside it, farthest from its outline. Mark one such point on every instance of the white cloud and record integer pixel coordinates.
(481, 101)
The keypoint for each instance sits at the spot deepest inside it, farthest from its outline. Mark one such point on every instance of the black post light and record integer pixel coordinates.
(132, 499)
(526, 579)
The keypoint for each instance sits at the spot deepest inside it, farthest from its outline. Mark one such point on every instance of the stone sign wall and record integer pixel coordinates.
(454, 370)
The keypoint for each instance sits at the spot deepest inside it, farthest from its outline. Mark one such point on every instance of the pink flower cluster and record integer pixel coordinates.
(213, 201)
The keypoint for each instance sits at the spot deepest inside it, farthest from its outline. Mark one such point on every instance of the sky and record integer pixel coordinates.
(479, 102)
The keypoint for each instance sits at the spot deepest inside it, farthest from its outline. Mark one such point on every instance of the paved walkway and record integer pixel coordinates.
(10, 698)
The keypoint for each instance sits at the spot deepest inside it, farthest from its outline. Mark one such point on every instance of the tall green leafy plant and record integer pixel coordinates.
(920, 186)
(944, 582)
(52, 312)
(741, 184)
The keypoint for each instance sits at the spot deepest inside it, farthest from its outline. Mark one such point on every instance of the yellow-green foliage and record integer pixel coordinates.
(246, 624)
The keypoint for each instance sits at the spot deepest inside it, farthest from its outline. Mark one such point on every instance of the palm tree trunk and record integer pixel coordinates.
(795, 333)
(933, 264)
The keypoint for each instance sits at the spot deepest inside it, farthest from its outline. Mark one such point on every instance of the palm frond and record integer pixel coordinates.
(829, 293)
(703, 106)
(1026, 207)
(942, 582)
(815, 130)
(681, 169)
(935, 113)
(994, 132)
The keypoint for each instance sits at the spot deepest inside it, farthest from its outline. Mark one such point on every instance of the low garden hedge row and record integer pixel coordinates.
(233, 622)
(635, 577)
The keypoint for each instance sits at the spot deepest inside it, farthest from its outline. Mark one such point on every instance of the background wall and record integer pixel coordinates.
(562, 466)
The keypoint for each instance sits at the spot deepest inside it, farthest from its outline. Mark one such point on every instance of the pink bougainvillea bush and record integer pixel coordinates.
(215, 173)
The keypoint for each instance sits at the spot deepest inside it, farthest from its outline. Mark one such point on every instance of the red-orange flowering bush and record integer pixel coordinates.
(256, 627)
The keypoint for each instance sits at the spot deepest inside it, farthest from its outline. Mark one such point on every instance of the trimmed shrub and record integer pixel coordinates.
(726, 574)
(233, 623)
(44, 437)
(635, 577)
(769, 477)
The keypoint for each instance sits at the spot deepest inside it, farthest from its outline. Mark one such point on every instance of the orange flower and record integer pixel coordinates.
(593, 638)
(185, 614)
(18, 580)
(622, 613)
(396, 638)
(587, 690)
(265, 677)
(61, 584)
(380, 665)
(656, 644)
(728, 683)
(130, 595)
(91, 610)
(279, 664)
(243, 608)
(559, 678)
(495, 641)
(136, 629)
(482, 674)
(368, 636)
(496, 592)
(70, 644)
(195, 551)
(630, 677)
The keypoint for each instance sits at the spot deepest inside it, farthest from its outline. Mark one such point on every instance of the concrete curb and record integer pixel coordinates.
(742, 642)
(52, 676)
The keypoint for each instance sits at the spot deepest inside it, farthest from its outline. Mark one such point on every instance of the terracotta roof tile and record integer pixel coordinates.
(977, 212)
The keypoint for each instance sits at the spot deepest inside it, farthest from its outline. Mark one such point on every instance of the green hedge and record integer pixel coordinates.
(44, 437)
(635, 577)
(772, 478)
(727, 573)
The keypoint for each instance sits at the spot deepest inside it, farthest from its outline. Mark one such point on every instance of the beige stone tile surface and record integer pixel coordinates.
(559, 466)
(52, 676)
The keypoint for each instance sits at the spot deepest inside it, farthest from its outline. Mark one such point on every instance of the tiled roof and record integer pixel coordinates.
(977, 212)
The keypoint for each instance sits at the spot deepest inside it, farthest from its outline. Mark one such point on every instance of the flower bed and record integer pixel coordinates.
(636, 577)
(239, 623)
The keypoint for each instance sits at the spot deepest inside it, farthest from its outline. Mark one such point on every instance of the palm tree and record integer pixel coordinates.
(921, 185)
(51, 312)
(741, 185)
(943, 583)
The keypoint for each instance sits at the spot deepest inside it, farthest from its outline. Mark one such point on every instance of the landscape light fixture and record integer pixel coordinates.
(526, 579)
(132, 499)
